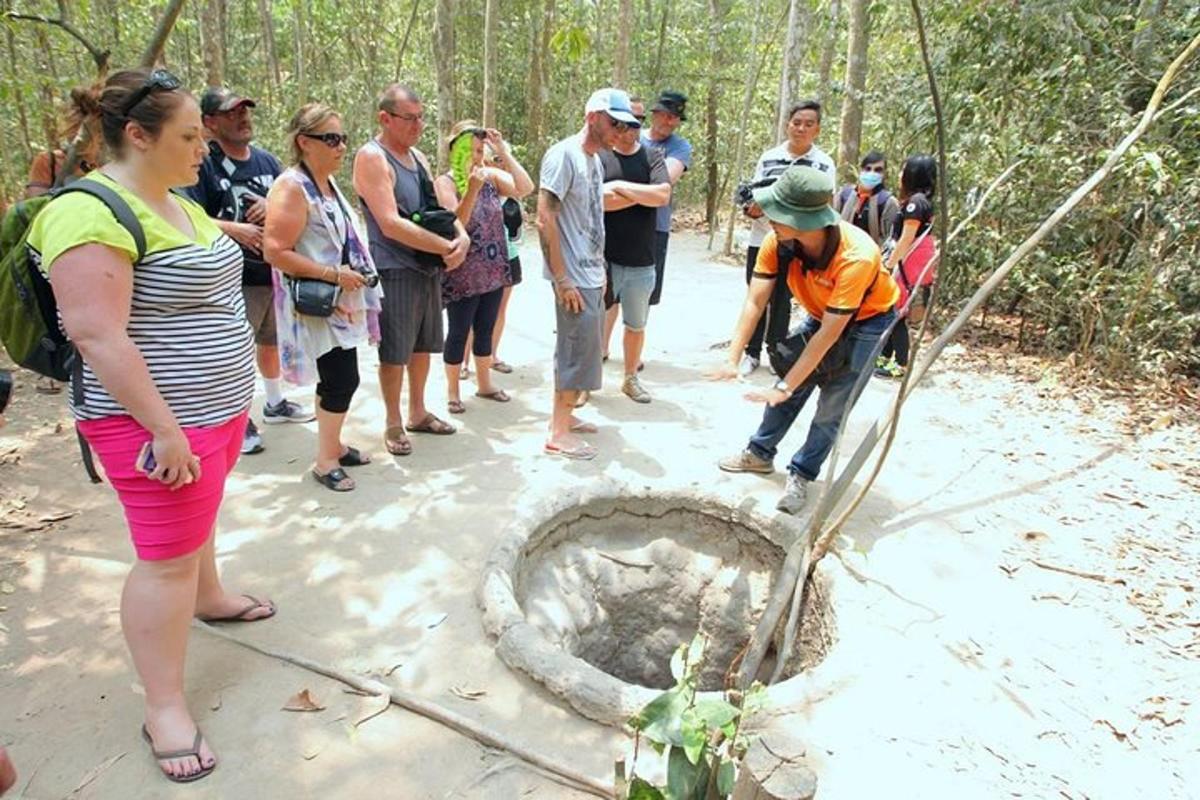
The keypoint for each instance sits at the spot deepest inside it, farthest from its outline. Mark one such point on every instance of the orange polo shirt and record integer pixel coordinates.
(839, 288)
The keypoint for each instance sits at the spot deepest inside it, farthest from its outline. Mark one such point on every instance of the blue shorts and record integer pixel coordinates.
(631, 287)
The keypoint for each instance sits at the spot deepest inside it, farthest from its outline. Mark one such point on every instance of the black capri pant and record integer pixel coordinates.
(337, 379)
(476, 313)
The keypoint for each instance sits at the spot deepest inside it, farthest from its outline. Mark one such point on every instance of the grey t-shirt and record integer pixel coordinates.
(577, 180)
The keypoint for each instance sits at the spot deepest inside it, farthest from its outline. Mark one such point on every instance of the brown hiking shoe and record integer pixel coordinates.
(746, 461)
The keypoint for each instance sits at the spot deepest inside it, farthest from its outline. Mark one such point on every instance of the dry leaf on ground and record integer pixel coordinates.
(303, 701)
(468, 694)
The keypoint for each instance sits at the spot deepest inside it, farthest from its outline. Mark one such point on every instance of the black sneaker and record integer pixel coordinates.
(252, 442)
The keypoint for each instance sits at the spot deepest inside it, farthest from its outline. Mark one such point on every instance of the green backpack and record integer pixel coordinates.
(28, 312)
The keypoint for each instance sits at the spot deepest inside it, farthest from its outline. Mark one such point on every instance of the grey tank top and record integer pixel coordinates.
(388, 253)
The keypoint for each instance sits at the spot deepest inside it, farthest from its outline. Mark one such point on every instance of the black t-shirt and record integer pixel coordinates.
(227, 187)
(916, 207)
(629, 233)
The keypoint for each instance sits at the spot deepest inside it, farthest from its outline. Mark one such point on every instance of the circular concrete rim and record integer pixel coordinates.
(590, 691)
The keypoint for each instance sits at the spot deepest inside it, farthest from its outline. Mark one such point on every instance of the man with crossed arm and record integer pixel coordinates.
(570, 219)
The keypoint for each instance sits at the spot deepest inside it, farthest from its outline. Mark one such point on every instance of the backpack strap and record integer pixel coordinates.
(116, 204)
(129, 221)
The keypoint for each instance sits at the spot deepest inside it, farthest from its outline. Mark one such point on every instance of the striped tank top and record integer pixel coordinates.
(187, 316)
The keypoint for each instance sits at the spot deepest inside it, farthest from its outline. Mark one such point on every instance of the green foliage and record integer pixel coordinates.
(700, 738)
(1053, 84)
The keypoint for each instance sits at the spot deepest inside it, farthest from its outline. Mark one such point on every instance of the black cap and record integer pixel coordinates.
(218, 99)
(672, 102)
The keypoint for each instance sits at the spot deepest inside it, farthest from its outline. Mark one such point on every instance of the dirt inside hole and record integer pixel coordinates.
(622, 591)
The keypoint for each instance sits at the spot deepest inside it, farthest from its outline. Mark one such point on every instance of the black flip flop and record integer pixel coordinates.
(240, 616)
(332, 479)
(171, 754)
(353, 457)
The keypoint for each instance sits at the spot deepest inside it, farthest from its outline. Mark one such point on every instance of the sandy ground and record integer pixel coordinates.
(967, 665)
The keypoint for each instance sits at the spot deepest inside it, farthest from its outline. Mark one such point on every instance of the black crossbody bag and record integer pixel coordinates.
(314, 297)
(433, 218)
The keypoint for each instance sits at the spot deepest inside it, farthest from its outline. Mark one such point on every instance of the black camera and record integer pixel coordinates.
(371, 278)
(743, 195)
(5, 389)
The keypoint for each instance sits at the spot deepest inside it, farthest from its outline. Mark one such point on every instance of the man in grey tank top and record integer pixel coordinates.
(388, 173)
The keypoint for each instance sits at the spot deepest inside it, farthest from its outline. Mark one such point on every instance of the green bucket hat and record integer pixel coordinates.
(799, 199)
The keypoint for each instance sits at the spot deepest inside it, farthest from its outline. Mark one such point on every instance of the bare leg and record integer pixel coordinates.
(329, 439)
(634, 341)
(453, 391)
(157, 605)
(498, 331)
(610, 322)
(418, 374)
(391, 383)
(267, 358)
(483, 375)
(211, 598)
(561, 419)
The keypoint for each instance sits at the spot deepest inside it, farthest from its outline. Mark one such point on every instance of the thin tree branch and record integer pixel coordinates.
(98, 55)
(158, 42)
(557, 771)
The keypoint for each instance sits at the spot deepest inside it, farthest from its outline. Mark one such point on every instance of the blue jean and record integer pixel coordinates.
(831, 402)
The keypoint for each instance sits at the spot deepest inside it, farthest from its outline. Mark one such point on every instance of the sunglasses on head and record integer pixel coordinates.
(331, 139)
(159, 80)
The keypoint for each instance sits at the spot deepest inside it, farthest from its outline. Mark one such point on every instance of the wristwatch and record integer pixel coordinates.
(782, 386)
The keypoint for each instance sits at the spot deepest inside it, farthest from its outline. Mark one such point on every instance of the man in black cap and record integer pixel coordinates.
(233, 186)
(835, 271)
(665, 116)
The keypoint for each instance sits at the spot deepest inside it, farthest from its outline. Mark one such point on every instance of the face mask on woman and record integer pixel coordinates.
(869, 180)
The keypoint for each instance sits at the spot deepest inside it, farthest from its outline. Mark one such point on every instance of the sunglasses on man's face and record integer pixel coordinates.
(331, 139)
(158, 81)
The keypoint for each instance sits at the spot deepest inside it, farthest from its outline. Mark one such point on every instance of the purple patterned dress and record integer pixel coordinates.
(486, 266)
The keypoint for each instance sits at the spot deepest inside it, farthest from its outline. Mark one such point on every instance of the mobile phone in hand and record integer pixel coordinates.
(145, 461)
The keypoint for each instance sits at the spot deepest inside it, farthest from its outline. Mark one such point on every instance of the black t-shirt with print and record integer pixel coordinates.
(227, 187)
(916, 207)
(629, 233)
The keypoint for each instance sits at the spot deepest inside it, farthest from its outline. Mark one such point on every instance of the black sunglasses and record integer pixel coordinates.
(159, 80)
(331, 139)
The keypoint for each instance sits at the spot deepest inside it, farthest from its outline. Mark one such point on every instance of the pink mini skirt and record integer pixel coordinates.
(163, 523)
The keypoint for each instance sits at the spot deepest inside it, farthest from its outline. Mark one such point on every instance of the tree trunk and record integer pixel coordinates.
(624, 32)
(658, 55)
(825, 66)
(490, 77)
(715, 11)
(18, 97)
(739, 152)
(443, 62)
(268, 29)
(158, 42)
(793, 57)
(775, 770)
(850, 136)
(299, 28)
(416, 7)
(539, 81)
(210, 33)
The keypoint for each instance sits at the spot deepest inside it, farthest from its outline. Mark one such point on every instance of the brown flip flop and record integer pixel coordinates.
(240, 616)
(500, 396)
(396, 441)
(167, 755)
(431, 424)
(455, 407)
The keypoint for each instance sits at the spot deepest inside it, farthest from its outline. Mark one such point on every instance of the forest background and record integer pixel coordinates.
(1047, 83)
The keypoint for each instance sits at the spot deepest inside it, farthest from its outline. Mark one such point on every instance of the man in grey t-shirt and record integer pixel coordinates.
(570, 218)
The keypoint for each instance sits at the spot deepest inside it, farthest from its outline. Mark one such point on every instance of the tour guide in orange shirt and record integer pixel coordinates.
(834, 270)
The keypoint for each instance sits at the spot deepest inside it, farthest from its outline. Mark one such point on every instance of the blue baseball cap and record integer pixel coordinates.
(615, 103)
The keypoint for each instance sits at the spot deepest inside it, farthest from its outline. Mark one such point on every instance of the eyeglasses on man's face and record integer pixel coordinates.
(404, 115)
(331, 139)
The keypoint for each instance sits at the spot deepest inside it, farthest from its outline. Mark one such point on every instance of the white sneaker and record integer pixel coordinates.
(747, 365)
(794, 494)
